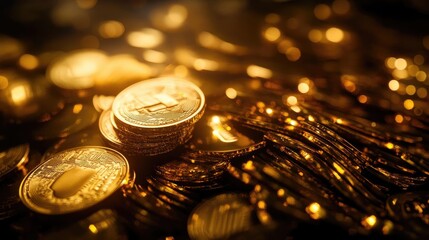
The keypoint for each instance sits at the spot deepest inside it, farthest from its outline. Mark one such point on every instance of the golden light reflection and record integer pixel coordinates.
(93, 229)
(369, 222)
(421, 76)
(211, 41)
(28, 61)
(169, 17)
(400, 74)
(399, 118)
(362, 98)
(410, 89)
(400, 64)
(258, 71)
(269, 111)
(111, 29)
(77, 108)
(249, 165)
(145, 38)
(181, 71)
(334, 34)
(315, 210)
(293, 54)
(4, 82)
(201, 64)
(412, 70)
(338, 168)
(231, 93)
(154, 56)
(20, 93)
(291, 100)
(272, 18)
(408, 104)
(322, 11)
(272, 34)
(393, 85)
(315, 35)
(303, 87)
(390, 62)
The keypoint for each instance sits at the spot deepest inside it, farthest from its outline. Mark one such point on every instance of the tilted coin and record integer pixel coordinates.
(13, 158)
(74, 180)
(159, 103)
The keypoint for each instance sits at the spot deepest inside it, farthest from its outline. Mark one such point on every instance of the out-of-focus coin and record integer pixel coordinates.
(103, 224)
(159, 103)
(220, 217)
(76, 70)
(13, 158)
(70, 120)
(74, 180)
(27, 98)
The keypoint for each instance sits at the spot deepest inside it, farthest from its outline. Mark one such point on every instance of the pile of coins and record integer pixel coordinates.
(153, 116)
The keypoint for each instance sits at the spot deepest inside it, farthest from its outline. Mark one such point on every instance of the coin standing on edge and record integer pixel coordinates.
(74, 179)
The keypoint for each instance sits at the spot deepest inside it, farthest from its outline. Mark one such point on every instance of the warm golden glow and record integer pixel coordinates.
(211, 41)
(291, 100)
(315, 210)
(400, 64)
(293, 54)
(181, 71)
(249, 165)
(422, 92)
(369, 221)
(421, 76)
(315, 35)
(338, 168)
(4, 82)
(153, 56)
(334, 34)
(93, 229)
(145, 38)
(412, 70)
(400, 74)
(111, 29)
(272, 34)
(408, 104)
(410, 89)
(257, 71)
(28, 61)
(322, 11)
(362, 98)
(216, 120)
(303, 87)
(77, 108)
(86, 4)
(231, 93)
(389, 145)
(20, 93)
(390, 62)
(262, 205)
(201, 64)
(269, 111)
(341, 6)
(280, 192)
(176, 16)
(399, 118)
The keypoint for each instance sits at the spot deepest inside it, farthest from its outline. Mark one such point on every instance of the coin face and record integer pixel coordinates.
(158, 103)
(13, 158)
(74, 180)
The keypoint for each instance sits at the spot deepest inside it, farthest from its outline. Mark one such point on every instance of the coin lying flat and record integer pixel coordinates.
(159, 103)
(74, 180)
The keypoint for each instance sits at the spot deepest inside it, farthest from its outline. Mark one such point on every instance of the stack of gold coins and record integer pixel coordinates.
(154, 116)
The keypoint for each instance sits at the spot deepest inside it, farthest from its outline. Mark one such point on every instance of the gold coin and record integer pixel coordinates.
(74, 180)
(13, 158)
(159, 103)
(76, 70)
